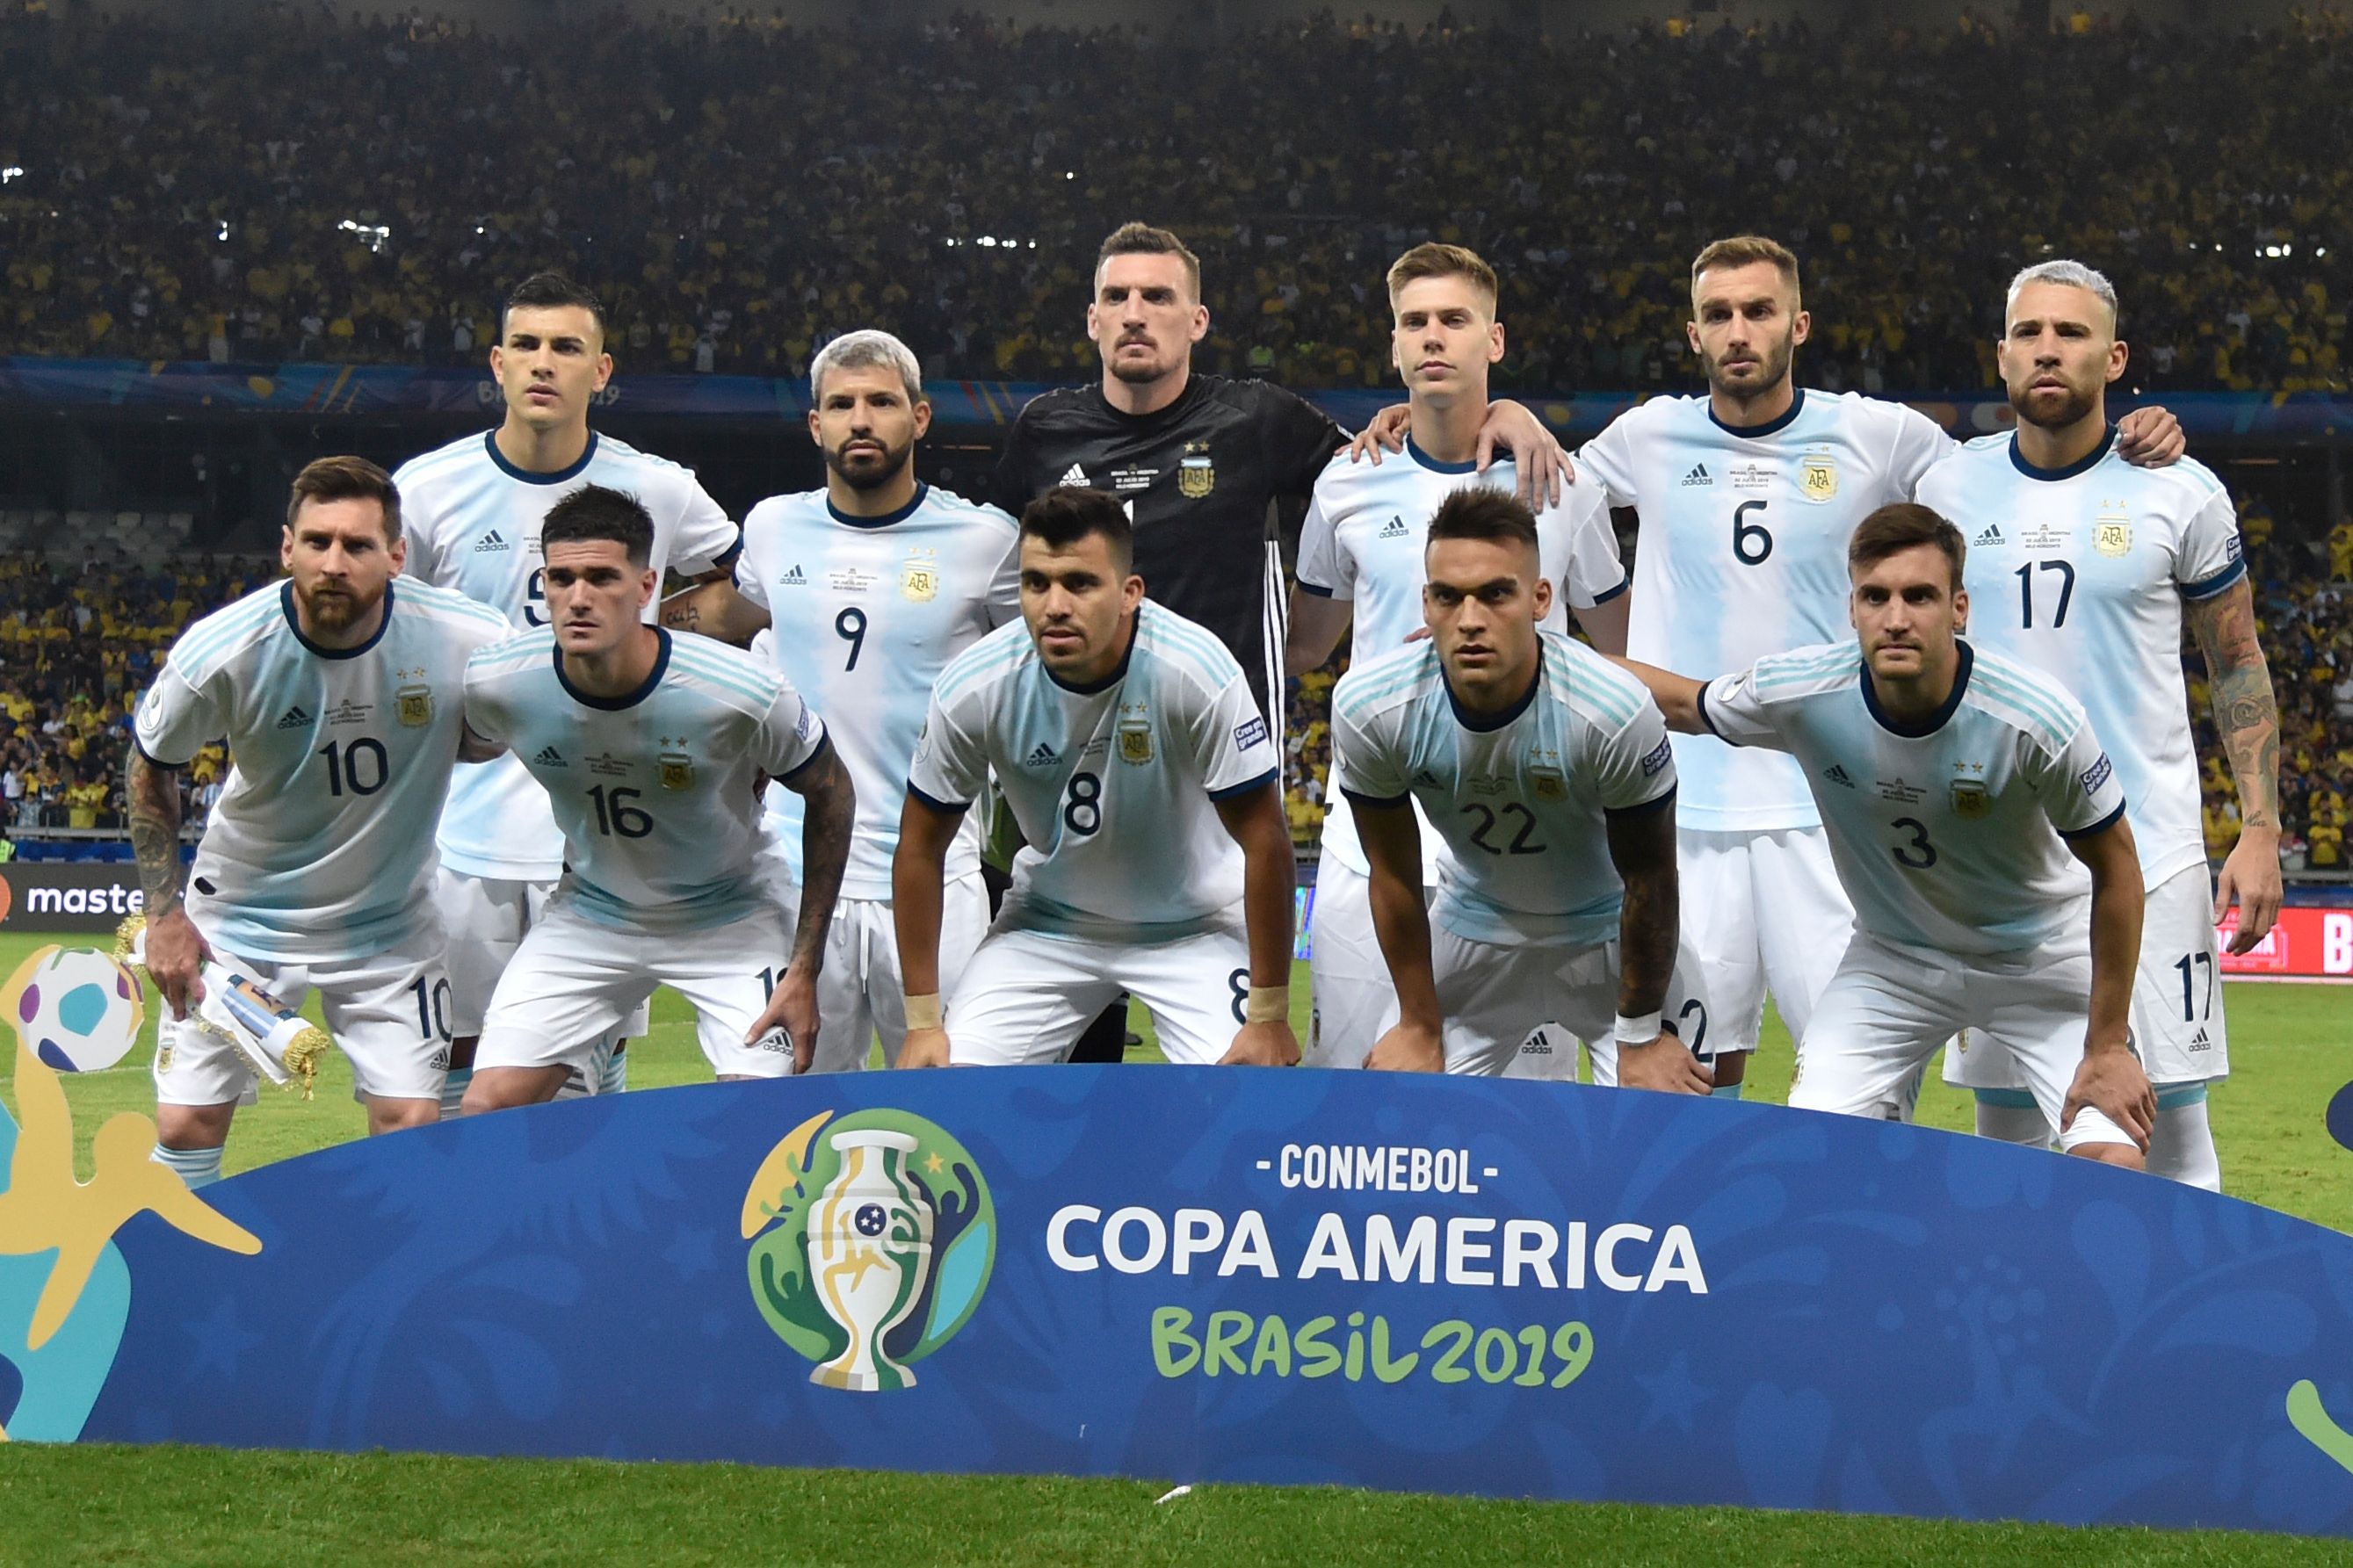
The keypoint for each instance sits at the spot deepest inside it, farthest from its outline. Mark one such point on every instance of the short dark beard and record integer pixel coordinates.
(894, 463)
(1775, 362)
(327, 611)
(2077, 406)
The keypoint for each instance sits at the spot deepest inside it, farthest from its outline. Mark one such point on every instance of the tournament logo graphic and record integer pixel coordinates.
(871, 1244)
(1817, 478)
(1195, 476)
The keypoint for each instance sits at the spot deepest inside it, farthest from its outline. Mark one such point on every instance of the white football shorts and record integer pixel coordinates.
(860, 991)
(1026, 994)
(486, 919)
(1760, 911)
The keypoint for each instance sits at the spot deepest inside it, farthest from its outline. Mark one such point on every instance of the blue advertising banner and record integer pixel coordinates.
(1506, 1288)
(312, 390)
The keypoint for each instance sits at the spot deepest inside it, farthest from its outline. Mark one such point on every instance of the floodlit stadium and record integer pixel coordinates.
(1572, 702)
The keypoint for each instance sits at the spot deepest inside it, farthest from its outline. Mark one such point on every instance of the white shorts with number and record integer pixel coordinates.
(1025, 994)
(859, 992)
(1761, 910)
(2177, 1006)
(1348, 978)
(1889, 1007)
(486, 919)
(574, 981)
(1492, 997)
(385, 1013)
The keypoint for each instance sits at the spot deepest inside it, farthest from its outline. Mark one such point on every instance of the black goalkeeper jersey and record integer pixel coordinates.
(1207, 480)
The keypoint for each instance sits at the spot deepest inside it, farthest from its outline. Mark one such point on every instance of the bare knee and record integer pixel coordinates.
(2119, 1154)
(503, 1088)
(389, 1114)
(194, 1126)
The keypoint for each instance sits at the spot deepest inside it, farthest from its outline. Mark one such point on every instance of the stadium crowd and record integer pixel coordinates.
(739, 192)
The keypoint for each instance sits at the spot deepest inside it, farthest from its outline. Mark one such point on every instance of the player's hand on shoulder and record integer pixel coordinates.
(176, 953)
(1662, 1063)
(1408, 1047)
(2113, 1082)
(793, 1009)
(1545, 470)
(925, 1048)
(2150, 438)
(1385, 433)
(1270, 1044)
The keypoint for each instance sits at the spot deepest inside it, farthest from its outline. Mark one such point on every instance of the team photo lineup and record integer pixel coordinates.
(1887, 727)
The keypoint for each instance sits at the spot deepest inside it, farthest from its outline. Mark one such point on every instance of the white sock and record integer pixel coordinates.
(197, 1167)
(2181, 1148)
(2006, 1120)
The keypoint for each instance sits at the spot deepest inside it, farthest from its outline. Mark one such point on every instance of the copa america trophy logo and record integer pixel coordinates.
(871, 1250)
(871, 1244)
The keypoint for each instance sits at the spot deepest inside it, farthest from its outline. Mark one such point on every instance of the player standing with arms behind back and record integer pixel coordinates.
(1144, 780)
(1748, 497)
(341, 694)
(2086, 568)
(1361, 573)
(475, 508)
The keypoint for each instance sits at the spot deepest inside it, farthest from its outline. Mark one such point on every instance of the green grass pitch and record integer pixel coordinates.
(95, 1505)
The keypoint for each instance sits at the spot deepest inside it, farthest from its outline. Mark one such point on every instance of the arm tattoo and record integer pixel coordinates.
(2245, 711)
(829, 808)
(152, 797)
(1643, 849)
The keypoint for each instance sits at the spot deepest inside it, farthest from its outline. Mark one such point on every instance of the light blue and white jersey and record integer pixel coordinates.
(1523, 799)
(321, 847)
(1114, 787)
(1363, 539)
(472, 520)
(868, 612)
(1946, 834)
(657, 792)
(1742, 553)
(2081, 573)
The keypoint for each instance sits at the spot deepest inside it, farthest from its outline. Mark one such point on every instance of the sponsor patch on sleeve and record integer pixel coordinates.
(2097, 774)
(2230, 546)
(1657, 758)
(804, 724)
(1250, 733)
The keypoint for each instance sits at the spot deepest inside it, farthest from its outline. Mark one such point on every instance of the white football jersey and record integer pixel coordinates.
(1522, 800)
(1742, 553)
(1945, 834)
(2081, 573)
(1114, 787)
(472, 520)
(656, 792)
(1365, 531)
(872, 609)
(319, 848)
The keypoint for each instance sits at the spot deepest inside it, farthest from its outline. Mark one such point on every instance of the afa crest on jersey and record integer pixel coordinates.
(1195, 475)
(1546, 778)
(1818, 478)
(919, 579)
(1134, 735)
(1970, 801)
(414, 704)
(2113, 536)
(676, 770)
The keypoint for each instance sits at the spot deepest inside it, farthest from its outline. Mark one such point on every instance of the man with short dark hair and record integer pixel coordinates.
(1545, 771)
(1145, 783)
(1958, 792)
(340, 694)
(650, 749)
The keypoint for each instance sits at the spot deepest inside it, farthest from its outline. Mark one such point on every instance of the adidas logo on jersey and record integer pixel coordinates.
(1044, 756)
(1425, 779)
(1075, 475)
(1394, 528)
(795, 578)
(551, 757)
(295, 719)
(2202, 1043)
(1838, 775)
(490, 543)
(1698, 476)
(1992, 534)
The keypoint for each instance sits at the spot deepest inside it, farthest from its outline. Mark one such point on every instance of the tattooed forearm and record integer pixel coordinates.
(153, 802)
(829, 808)
(2244, 710)
(1642, 848)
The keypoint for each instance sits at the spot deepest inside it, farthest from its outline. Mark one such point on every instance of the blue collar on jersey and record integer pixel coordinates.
(1484, 723)
(562, 476)
(1433, 465)
(294, 623)
(614, 704)
(886, 518)
(1934, 722)
(1118, 674)
(1750, 432)
(2082, 465)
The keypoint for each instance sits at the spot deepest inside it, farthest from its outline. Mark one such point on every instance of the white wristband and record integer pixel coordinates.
(1638, 1031)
